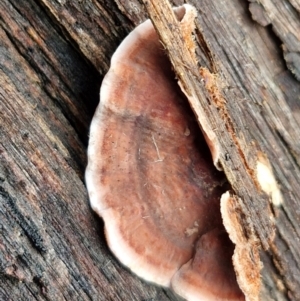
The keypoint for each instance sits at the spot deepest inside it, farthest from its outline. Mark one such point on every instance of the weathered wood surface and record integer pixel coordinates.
(230, 113)
(53, 55)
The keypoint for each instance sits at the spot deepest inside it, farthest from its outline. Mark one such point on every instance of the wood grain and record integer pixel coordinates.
(253, 128)
(53, 55)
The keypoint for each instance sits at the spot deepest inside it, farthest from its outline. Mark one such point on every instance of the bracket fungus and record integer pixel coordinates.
(151, 178)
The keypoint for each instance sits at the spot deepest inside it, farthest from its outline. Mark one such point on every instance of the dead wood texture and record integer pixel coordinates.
(228, 111)
(53, 55)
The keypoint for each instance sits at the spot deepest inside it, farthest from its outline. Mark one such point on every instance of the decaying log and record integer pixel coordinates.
(53, 55)
(222, 111)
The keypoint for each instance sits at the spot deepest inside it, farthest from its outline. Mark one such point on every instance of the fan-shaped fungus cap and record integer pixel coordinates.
(150, 175)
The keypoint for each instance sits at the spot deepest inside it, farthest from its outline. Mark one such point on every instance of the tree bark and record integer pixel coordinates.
(53, 55)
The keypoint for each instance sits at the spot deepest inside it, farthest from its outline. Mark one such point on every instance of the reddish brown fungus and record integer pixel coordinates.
(209, 274)
(151, 178)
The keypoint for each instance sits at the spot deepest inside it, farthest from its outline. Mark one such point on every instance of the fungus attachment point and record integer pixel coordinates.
(246, 258)
(152, 180)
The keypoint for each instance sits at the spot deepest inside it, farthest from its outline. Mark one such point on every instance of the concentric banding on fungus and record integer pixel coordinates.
(150, 175)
